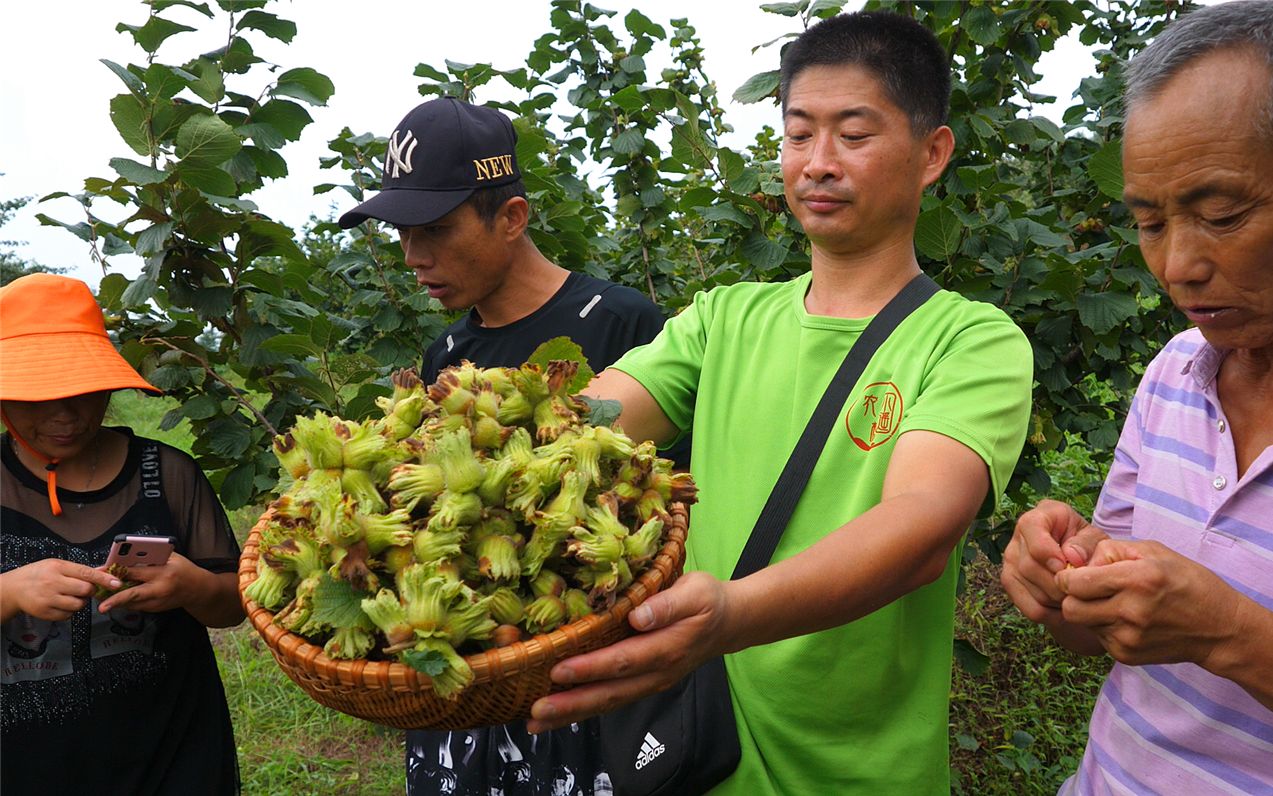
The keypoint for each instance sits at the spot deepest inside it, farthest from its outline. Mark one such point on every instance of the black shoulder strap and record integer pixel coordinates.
(786, 493)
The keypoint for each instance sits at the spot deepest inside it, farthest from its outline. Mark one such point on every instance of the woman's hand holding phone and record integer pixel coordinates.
(159, 587)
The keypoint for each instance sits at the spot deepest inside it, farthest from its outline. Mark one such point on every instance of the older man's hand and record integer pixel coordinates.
(1148, 604)
(1047, 539)
(681, 628)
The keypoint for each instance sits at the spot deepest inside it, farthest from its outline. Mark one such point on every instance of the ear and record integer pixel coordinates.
(513, 218)
(939, 145)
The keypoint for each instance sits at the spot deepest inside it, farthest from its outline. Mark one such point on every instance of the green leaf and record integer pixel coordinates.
(632, 64)
(131, 80)
(201, 407)
(236, 489)
(981, 126)
(238, 57)
(263, 135)
(982, 25)
(283, 115)
(267, 162)
(971, 659)
(164, 82)
(1019, 132)
(1048, 128)
(212, 180)
(140, 290)
(822, 9)
(206, 140)
(110, 289)
(138, 173)
(430, 662)
(305, 84)
(628, 142)
(153, 33)
(937, 233)
(785, 9)
(728, 213)
(639, 24)
(564, 348)
(80, 230)
(758, 87)
(212, 300)
(130, 118)
(239, 5)
(602, 411)
(154, 239)
(762, 252)
(169, 377)
(338, 604)
(269, 24)
(209, 84)
(267, 238)
(1105, 167)
(227, 437)
(171, 419)
(295, 344)
(160, 5)
(1101, 312)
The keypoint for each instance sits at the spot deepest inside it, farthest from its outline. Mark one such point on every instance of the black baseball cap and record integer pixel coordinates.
(443, 151)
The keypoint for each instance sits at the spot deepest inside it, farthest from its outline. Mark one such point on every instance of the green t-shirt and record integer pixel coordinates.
(860, 708)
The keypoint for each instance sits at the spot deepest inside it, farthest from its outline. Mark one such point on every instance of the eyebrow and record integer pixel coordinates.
(856, 112)
(1192, 196)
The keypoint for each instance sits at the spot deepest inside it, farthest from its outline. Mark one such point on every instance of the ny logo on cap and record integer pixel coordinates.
(398, 157)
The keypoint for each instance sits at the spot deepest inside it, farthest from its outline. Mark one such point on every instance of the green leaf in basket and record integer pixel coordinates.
(430, 662)
(564, 348)
(338, 604)
(602, 411)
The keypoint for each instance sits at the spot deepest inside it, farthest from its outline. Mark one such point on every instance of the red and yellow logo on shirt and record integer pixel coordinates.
(873, 420)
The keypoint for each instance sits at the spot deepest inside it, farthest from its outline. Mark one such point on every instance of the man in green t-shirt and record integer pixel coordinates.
(839, 652)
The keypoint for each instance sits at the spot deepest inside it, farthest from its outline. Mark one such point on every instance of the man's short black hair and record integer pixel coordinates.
(904, 55)
(486, 202)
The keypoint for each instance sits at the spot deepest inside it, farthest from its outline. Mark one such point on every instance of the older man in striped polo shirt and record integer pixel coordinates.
(1174, 577)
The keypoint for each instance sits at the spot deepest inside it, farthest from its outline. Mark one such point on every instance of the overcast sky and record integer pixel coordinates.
(54, 92)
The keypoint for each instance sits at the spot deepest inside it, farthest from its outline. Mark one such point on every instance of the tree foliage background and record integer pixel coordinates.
(248, 322)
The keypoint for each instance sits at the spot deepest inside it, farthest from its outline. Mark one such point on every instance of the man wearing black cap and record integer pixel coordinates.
(453, 190)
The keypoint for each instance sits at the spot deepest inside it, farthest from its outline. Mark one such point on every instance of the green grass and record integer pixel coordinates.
(1019, 728)
(287, 742)
(1016, 729)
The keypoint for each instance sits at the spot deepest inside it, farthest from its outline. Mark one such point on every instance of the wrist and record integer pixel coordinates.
(739, 606)
(9, 606)
(1233, 653)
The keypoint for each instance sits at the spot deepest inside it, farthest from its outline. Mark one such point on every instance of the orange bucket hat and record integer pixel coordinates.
(53, 342)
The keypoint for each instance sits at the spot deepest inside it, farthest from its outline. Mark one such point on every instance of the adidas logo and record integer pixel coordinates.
(650, 749)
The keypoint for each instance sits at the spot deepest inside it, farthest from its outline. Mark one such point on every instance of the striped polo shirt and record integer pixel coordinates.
(1178, 729)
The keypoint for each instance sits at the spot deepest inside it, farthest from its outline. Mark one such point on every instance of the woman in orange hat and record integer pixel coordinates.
(104, 689)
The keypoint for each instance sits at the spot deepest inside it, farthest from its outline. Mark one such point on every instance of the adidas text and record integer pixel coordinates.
(650, 749)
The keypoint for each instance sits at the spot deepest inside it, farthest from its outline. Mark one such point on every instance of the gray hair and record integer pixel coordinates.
(1236, 24)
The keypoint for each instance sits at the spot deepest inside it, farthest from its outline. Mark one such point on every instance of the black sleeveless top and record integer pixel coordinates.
(126, 702)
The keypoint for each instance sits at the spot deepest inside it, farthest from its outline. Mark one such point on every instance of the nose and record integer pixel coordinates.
(824, 162)
(62, 409)
(415, 253)
(1183, 255)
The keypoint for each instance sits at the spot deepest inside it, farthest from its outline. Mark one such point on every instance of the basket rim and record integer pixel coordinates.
(488, 666)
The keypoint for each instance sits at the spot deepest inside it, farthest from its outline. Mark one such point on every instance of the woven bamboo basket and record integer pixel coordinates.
(506, 680)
